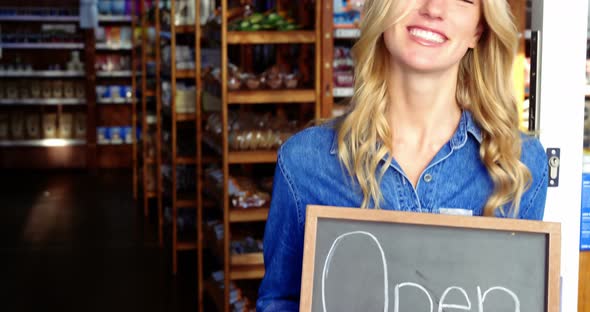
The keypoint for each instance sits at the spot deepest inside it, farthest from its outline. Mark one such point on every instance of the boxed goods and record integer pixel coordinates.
(33, 123)
(50, 125)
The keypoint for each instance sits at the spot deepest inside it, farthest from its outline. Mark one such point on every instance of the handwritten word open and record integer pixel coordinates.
(442, 304)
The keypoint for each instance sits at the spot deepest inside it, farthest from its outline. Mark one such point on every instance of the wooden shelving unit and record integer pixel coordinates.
(250, 266)
(31, 65)
(117, 111)
(148, 181)
(177, 120)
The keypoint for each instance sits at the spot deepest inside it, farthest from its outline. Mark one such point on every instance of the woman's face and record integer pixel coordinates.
(435, 35)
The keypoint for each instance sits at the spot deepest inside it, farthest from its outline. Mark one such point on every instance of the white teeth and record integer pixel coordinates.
(427, 35)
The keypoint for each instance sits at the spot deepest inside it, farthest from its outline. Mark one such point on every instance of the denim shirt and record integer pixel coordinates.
(308, 172)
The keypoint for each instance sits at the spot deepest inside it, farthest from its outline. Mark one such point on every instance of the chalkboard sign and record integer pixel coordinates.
(376, 260)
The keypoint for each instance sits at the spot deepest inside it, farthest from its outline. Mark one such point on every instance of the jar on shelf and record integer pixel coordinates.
(58, 89)
(4, 125)
(17, 126)
(65, 129)
(50, 125)
(46, 89)
(80, 126)
(35, 89)
(33, 126)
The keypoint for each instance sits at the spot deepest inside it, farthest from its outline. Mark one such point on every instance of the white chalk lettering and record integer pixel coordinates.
(481, 298)
(396, 293)
(443, 305)
(329, 258)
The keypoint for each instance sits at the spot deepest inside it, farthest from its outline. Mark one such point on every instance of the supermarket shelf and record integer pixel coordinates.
(347, 33)
(39, 18)
(114, 74)
(247, 272)
(270, 37)
(271, 96)
(186, 203)
(247, 259)
(113, 47)
(115, 18)
(185, 73)
(186, 117)
(41, 73)
(343, 92)
(42, 143)
(42, 101)
(115, 101)
(186, 245)
(252, 157)
(28, 46)
(151, 194)
(185, 29)
(186, 160)
(248, 215)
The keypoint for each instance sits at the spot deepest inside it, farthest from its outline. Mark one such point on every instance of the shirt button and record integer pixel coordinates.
(427, 177)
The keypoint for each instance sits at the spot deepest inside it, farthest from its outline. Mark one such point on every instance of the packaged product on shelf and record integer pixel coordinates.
(24, 89)
(17, 126)
(57, 89)
(75, 64)
(103, 135)
(11, 90)
(116, 135)
(127, 134)
(103, 93)
(104, 7)
(118, 7)
(66, 121)
(35, 89)
(347, 13)
(244, 194)
(115, 92)
(2, 90)
(246, 245)
(4, 122)
(100, 34)
(185, 99)
(50, 125)
(184, 13)
(80, 126)
(47, 89)
(80, 90)
(125, 34)
(33, 126)
(69, 92)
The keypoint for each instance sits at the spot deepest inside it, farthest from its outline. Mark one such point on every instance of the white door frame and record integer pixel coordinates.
(562, 82)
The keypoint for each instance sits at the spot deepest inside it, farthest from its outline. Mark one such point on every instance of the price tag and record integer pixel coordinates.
(343, 92)
(347, 33)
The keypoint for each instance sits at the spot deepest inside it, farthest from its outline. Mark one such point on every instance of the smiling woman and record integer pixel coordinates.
(433, 128)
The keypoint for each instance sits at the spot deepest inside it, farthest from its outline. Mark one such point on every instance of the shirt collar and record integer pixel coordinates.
(466, 126)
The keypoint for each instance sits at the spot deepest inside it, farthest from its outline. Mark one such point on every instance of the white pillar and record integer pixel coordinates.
(562, 87)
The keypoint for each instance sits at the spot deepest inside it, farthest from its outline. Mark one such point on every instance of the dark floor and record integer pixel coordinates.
(72, 241)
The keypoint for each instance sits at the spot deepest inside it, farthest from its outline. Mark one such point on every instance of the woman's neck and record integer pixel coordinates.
(423, 107)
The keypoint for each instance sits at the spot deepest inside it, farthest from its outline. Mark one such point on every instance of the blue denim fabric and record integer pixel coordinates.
(308, 172)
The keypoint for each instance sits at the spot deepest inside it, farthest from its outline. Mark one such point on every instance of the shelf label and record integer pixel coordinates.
(351, 33)
(343, 92)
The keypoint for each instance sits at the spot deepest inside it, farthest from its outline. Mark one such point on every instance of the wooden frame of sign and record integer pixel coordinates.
(550, 245)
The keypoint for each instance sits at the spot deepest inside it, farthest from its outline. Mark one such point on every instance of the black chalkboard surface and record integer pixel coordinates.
(375, 260)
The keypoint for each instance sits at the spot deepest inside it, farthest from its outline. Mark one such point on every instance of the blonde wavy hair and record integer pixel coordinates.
(483, 88)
